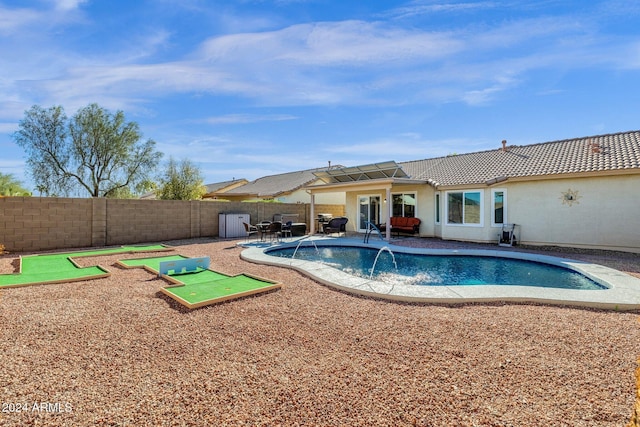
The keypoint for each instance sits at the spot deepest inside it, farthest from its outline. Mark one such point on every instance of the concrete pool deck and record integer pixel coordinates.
(622, 293)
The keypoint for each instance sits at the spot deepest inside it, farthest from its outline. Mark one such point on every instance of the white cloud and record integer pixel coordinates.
(14, 19)
(13, 167)
(328, 44)
(31, 22)
(417, 8)
(67, 5)
(248, 118)
(324, 63)
(630, 59)
(415, 146)
(142, 47)
(8, 127)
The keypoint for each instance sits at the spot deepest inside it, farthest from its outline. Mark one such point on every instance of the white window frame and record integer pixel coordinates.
(381, 207)
(504, 207)
(463, 224)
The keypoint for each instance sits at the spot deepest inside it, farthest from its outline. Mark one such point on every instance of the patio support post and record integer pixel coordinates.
(312, 220)
(389, 212)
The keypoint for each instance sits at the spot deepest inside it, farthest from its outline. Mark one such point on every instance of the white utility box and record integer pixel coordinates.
(231, 224)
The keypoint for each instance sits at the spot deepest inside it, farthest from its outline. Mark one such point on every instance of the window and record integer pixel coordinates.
(464, 207)
(499, 205)
(403, 204)
(438, 208)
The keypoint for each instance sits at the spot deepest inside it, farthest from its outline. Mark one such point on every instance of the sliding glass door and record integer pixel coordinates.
(369, 211)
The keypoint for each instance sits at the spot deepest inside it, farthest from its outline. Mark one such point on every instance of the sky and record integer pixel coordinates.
(250, 88)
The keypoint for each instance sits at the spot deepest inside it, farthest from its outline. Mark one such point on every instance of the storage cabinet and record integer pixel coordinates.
(231, 224)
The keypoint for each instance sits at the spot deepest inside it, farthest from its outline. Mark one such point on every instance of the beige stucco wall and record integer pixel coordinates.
(301, 196)
(424, 205)
(605, 213)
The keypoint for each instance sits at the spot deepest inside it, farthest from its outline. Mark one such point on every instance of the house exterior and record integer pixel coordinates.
(579, 192)
(290, 187)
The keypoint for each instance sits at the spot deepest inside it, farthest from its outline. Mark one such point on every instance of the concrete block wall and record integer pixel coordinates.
(99, 222)
(135, 221)
(334, 210)
(47, 223)
(35, 223)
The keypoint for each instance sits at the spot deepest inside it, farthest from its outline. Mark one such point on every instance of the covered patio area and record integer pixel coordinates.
(370, 190)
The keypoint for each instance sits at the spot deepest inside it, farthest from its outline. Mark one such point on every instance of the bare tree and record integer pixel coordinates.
(95, 151)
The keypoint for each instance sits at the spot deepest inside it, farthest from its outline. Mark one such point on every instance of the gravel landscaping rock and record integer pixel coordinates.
(116, 352)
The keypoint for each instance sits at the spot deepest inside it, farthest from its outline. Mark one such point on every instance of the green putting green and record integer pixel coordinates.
(204, 287)
(60, 267)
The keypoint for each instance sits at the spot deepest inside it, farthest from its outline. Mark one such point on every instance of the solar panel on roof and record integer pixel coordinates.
(364, 172)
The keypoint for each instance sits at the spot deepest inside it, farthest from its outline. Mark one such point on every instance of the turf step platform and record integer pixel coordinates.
(203, 287)
(60, 267)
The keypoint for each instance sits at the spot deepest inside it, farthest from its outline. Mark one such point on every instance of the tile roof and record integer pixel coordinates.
(620, 151)
(274, 185)
(212, 188)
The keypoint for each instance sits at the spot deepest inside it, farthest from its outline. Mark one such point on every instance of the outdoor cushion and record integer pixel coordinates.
(405, 224)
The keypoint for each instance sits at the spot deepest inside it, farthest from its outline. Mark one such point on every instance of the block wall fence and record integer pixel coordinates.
(47, 223)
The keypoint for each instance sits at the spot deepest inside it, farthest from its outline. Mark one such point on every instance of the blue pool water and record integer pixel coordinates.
(441, 270)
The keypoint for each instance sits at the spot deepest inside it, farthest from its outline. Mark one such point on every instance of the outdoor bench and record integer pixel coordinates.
(401, 224)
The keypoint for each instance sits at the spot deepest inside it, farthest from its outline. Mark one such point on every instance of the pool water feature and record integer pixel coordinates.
(616, 291)
(375, 261)
(441, 270)
(295, 251)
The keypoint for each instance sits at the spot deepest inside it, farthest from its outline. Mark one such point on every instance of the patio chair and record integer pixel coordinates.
(507, 235)
(286, 229)
(275, 230)
(263, 229)
(336, 225)
(251, 230)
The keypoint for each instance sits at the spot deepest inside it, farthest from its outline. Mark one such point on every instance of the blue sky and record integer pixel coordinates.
(253, 88)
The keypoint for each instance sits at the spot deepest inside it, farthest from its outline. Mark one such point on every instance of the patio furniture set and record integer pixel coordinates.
(276, 230)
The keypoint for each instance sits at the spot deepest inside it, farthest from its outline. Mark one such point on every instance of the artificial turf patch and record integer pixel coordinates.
(205, 287)
(59, 267)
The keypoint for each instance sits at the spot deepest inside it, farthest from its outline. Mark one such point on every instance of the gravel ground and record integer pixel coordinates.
(115, 352)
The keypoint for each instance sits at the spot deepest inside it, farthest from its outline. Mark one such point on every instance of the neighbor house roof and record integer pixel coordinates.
(219, 188)
(612, 152)
(212, 188)
(274, 185)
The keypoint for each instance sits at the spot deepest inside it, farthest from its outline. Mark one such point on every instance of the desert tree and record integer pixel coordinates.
(180, 181)
(94, 151)
(10, 186)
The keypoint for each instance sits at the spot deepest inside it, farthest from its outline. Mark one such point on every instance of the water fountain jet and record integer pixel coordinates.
(383, 249)
(300, 243)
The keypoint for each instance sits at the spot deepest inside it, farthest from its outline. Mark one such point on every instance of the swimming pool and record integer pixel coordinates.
(440, 270)
(617, 290)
